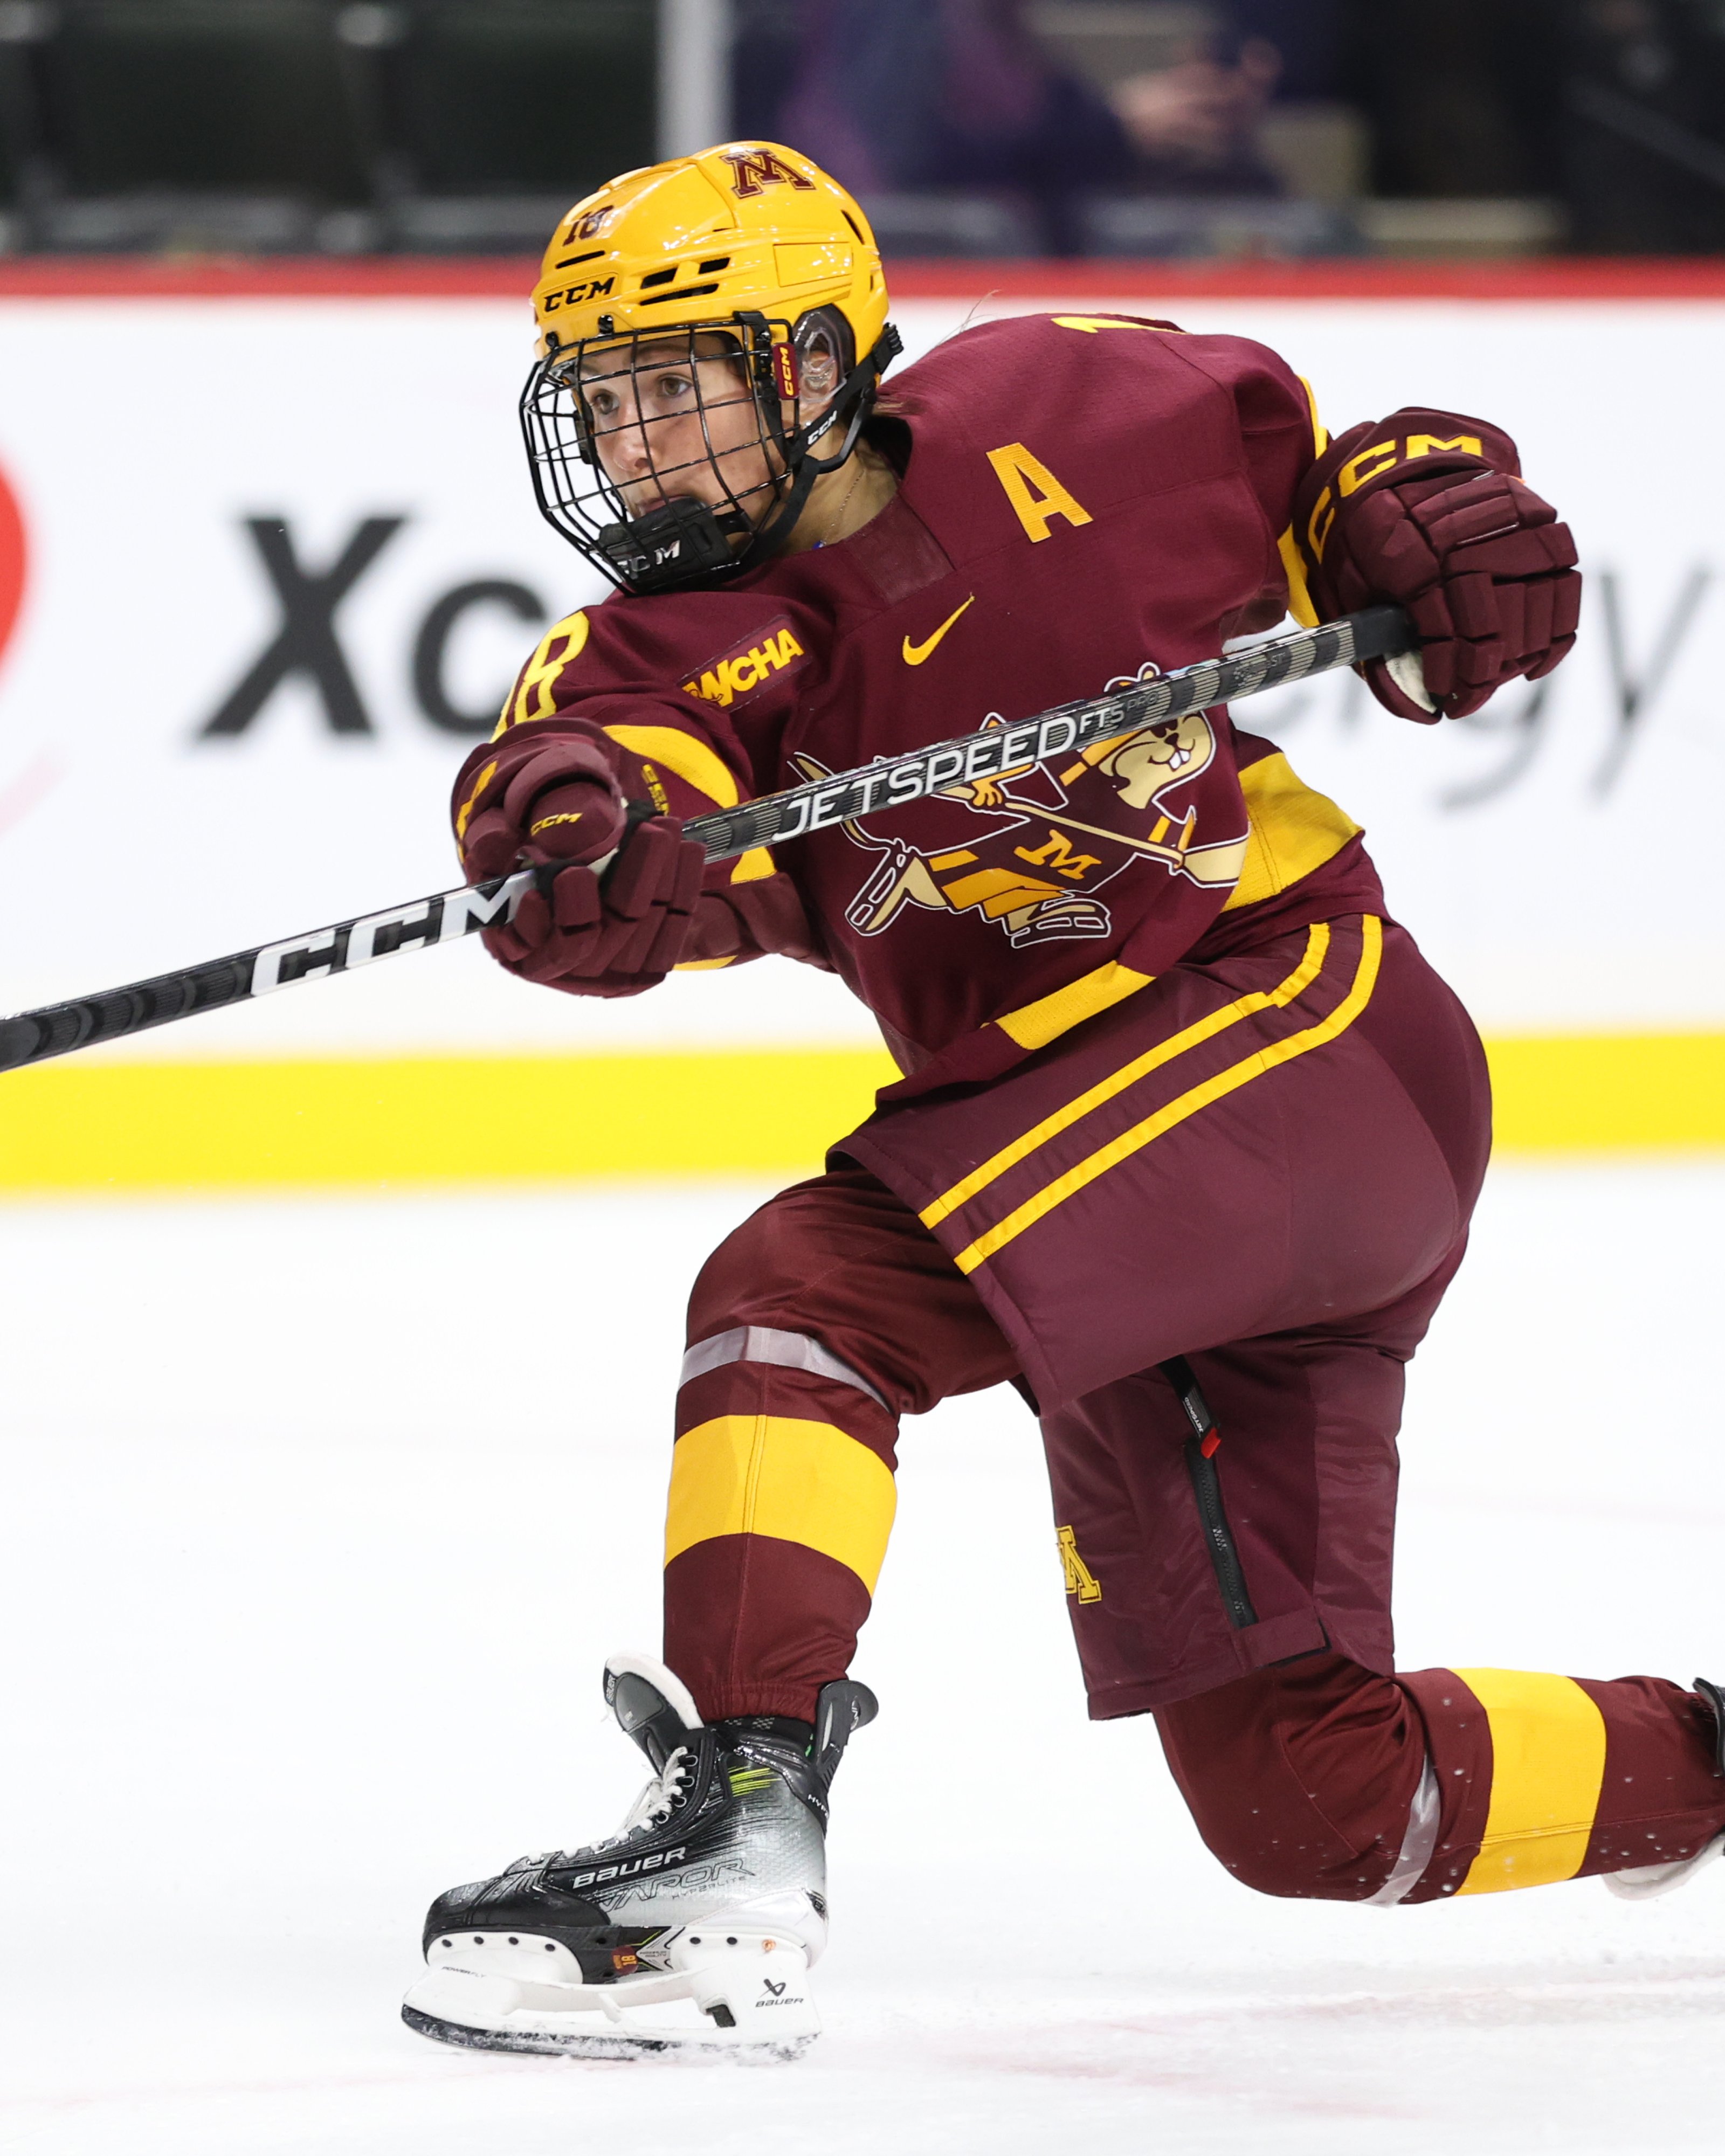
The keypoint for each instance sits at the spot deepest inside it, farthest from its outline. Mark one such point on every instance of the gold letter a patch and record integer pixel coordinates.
(1018, 471)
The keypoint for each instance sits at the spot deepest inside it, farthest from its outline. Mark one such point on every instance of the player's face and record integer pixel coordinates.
(673, 423)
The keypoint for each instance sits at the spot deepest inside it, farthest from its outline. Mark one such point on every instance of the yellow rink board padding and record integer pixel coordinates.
(1608, 1091)
(73, 1126)
(1548, 1765)
(430, 1118)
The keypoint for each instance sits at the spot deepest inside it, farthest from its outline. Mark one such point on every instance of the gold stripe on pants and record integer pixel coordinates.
(1255, 1065)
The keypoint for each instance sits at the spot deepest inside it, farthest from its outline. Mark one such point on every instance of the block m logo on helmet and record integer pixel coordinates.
(761, 166)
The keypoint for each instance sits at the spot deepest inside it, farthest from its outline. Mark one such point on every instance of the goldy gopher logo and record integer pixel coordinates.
(1056, 837)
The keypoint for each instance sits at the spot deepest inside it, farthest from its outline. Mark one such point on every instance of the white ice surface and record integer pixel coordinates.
(318, 1518)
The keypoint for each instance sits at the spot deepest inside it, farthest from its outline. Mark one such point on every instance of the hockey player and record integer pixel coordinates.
(1188, 1133)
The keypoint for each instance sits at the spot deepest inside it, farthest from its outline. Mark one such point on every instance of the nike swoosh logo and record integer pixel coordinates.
(914, 654)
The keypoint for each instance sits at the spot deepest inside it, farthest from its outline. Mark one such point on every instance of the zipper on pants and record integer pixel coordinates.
(1207, 1488)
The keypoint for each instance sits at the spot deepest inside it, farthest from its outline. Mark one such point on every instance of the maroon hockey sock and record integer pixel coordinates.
(1300, 1778)
(1320, 1778)
(781, 1503)
(1546, 1778)
(812, 1329)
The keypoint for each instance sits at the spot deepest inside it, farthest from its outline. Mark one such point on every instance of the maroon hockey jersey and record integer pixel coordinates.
(1084, 500)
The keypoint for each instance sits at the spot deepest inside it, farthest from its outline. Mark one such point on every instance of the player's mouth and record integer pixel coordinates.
(642, 501)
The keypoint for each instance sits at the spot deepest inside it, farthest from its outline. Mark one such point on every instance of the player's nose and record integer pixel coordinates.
(628, 453)
(641, 452)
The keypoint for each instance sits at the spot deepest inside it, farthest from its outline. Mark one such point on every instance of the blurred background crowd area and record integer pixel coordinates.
(985, 128)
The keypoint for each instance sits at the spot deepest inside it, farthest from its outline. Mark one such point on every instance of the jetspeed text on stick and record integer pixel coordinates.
(113, 1013)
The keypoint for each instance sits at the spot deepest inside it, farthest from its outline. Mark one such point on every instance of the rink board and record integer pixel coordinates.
(1555, 856)
(715, 1112)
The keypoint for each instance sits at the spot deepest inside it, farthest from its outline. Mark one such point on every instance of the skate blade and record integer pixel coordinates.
(682, 2045)
(752, 2002)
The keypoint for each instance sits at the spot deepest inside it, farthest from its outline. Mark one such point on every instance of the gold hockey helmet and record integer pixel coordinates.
(750, 227)
(748, 252)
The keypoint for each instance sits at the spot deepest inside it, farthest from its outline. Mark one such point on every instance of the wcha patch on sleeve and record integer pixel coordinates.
(746, 668)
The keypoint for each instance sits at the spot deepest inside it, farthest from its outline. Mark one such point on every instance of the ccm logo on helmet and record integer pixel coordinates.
(576, 295)
(752, 170)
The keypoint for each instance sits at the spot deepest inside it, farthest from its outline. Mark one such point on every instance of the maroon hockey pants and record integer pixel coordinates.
(1302, 1130)
(832, 1311)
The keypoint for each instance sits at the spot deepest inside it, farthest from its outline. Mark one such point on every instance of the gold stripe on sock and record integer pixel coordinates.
(1548, 1766)
(799, 1481)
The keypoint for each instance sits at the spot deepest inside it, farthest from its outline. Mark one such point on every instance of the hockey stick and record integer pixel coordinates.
(772, 820)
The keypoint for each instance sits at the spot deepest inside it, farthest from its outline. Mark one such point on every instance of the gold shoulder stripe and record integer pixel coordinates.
(1092, 323)
(1269, 1058)
(1320, 433)
(693, 762)
(1299, 597)
(1317, 942)
(1547, 1767)
(1294, 829)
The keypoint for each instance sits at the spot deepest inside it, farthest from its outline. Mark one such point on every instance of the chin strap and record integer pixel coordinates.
(684, 542)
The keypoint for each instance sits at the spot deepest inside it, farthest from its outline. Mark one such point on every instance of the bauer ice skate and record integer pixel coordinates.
(707, 1908)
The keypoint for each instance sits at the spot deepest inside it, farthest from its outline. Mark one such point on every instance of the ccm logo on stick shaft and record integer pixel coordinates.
(447, 915)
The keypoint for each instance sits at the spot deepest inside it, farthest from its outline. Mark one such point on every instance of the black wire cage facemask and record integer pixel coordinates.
(615, 425)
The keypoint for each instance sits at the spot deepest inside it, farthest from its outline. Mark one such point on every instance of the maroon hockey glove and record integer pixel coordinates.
(613, 932)
(1429, 509)
(615, 908)
(557, 797)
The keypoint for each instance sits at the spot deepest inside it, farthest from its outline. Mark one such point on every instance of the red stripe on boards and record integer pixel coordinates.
(395, 277)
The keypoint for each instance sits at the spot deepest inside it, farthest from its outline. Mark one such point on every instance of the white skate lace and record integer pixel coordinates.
(653, 1806)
